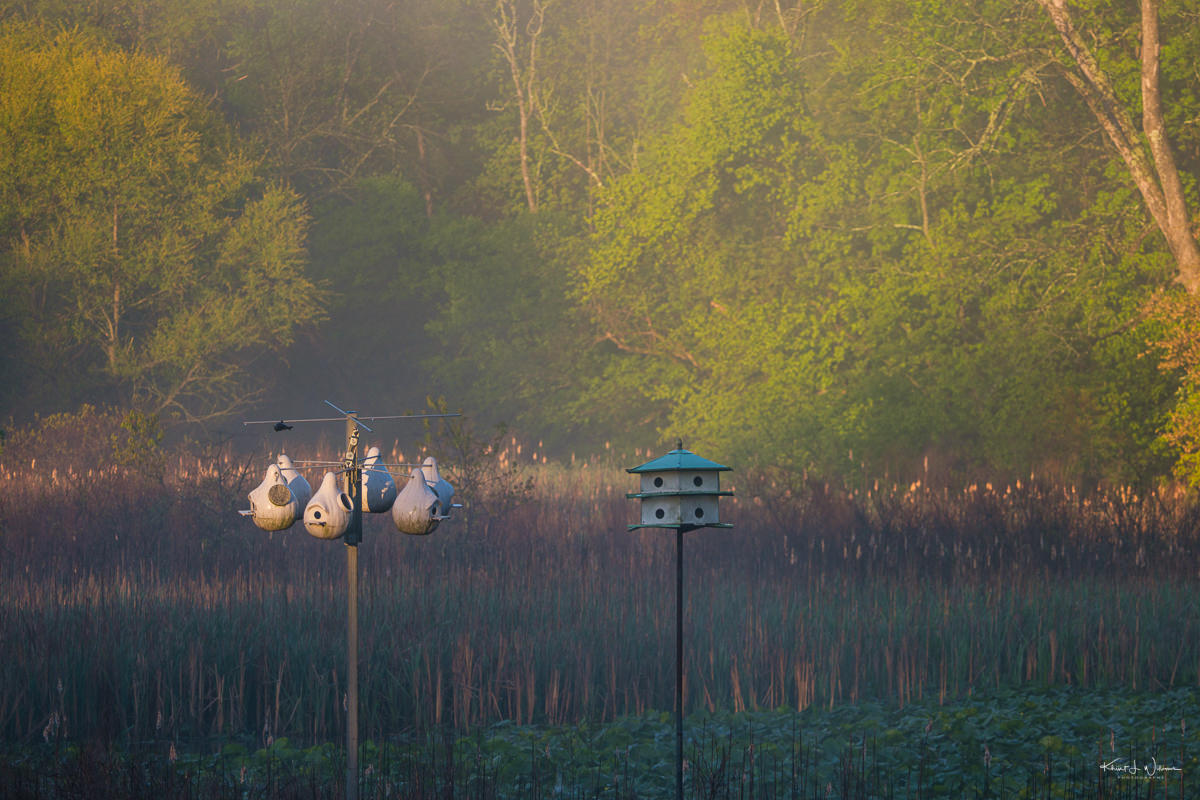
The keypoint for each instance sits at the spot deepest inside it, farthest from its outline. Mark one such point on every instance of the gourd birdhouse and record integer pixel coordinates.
(415, 508)
(273, 506)
(328, 513)
(379, 487)
(680, 490)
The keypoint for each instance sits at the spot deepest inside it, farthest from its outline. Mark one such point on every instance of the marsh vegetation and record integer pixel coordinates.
(148, 617)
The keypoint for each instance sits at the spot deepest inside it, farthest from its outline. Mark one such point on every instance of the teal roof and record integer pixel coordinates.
(684, 526)
(678, 461)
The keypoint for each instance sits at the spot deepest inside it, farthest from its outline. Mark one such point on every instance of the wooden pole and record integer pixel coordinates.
(353, 537)
(352, 673)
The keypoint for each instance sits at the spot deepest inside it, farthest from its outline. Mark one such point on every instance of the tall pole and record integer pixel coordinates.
(352, 673)
(353, 537)
(352, 485)
(679, 664)
(666, 485)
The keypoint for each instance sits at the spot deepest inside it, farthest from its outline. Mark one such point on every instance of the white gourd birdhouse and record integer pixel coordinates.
(680, 490)
(273, 506)
(327, 515)
(414, 511)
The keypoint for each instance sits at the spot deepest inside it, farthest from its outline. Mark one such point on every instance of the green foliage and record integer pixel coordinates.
(375, 245)
(838, 237)
(140, 249)
(1176, 316)
(138, 444)
(462, 307)
(507, 343)
(338, 92)
(90, 437)
(689, 270)
(906, 261)
(995, 744)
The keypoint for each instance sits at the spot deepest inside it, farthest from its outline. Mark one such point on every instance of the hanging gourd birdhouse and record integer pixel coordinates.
(328, 513)
(680, 490)
(415, 508)
(273, 506)
(379, 487)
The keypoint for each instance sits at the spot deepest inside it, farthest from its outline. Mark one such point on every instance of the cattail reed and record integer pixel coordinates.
(168, 616)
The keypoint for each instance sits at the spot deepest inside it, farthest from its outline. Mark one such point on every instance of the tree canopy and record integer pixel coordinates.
(845, 237)
(142, 255)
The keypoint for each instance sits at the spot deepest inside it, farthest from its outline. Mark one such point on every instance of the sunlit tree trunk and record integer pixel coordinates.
(1155, 175)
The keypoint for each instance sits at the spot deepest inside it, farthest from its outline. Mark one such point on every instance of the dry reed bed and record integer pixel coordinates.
(136, 606)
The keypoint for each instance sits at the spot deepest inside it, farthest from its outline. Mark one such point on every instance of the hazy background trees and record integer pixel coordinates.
(146, 262)
(850, 237)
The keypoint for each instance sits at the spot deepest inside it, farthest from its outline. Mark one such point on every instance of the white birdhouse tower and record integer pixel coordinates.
(680, 490)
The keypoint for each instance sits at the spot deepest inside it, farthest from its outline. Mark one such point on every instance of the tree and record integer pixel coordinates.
(1007, 265)
(697, 282)
(1155, 175)
(508, 343)
(518, 39)
(919, 257)
(146, 259)
(334, 90)
(580, 86)
(1115, 72)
